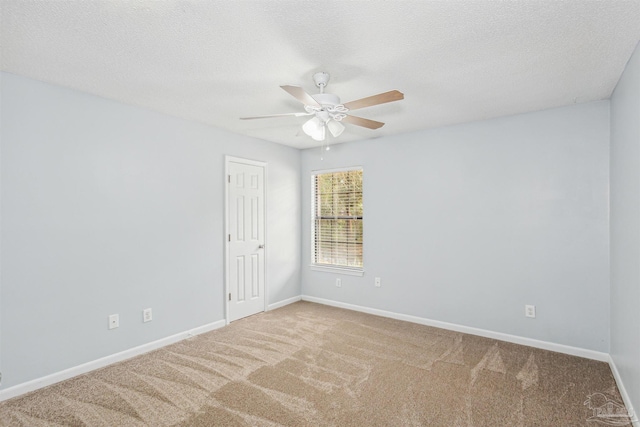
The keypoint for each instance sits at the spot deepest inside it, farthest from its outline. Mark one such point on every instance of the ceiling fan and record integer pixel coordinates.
(327, 110)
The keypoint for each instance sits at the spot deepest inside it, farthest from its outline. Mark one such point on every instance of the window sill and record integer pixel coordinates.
(338, 270)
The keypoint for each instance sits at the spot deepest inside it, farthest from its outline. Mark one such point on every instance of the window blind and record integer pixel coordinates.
(337, 218)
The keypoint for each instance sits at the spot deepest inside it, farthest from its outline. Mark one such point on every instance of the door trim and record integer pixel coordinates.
(227, 285)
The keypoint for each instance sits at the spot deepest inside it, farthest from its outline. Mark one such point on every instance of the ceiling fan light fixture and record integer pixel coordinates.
(320, 134)
(336, 128)
(312, 126)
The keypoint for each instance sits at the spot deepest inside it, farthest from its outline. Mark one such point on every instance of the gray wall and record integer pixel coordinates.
(467, 224)
(625, 228)
(108, 208)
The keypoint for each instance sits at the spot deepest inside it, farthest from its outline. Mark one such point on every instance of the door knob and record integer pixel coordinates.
(261, 247)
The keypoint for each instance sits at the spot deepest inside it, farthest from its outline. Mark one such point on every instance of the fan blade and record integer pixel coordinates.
(276, 115)
(359, 121)
(298, 93)
(381, 98)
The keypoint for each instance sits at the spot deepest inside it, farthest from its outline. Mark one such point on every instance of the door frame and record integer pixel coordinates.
(227, 286)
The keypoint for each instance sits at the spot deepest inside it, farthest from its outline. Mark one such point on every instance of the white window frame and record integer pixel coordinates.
(350, 271)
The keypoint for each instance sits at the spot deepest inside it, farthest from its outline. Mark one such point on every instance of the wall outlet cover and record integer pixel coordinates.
(114, 321)
(530, 311)
(147, 315)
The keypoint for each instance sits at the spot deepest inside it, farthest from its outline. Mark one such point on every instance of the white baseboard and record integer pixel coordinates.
(32, 385)
(283, 302)
(545, 345)
(623, 393)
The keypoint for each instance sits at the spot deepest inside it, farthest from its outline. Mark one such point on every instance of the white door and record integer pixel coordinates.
(245, 238)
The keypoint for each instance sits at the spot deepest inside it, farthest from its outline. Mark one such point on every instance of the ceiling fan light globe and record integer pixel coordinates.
(336, 128)
(319, 135)
(312, 126)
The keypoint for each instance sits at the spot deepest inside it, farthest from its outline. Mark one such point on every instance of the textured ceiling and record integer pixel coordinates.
(215, 61)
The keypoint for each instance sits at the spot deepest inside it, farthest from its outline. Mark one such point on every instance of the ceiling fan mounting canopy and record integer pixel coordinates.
(321, 79)
(327, 110)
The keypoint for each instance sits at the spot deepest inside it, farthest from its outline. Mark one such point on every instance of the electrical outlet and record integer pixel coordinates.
(114, 321)
(378, 281)
(339, 283)
(530, 311)
(146, 315)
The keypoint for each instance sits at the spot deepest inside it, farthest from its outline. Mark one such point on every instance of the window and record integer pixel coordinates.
(337, 219)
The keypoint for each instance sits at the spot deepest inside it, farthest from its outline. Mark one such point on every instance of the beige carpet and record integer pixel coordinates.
(312, 365)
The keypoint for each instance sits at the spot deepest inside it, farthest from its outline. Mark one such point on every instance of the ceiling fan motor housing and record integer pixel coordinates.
(326, 99)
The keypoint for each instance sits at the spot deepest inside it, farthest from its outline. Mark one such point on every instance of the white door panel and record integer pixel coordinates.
(246, 219)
